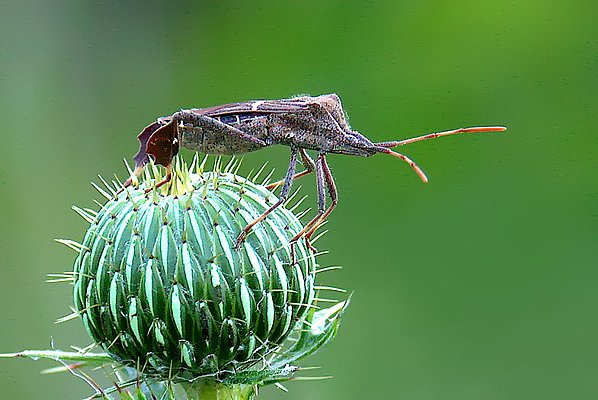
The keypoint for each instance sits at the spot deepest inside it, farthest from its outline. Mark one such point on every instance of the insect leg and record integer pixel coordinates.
(212, 124)
(164, 181)
(286, 188)
(320, 180)
(307, 162)
(137, 172)
(129, 181)
(332, 192)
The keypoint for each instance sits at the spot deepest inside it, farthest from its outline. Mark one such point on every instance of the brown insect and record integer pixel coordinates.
(302, 123)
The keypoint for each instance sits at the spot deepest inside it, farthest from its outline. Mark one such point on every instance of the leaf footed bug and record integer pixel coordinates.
(302, 123)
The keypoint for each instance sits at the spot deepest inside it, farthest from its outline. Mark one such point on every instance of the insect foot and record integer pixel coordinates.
(161, 288)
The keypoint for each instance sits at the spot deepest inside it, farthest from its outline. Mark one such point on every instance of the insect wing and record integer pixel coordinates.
(257, 106)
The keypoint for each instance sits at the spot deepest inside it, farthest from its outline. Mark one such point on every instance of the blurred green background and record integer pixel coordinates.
(482, 284)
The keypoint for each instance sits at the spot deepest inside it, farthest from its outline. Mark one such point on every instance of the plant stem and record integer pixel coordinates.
(207, 389)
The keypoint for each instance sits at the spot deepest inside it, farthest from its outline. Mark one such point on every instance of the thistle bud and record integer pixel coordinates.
(161, 286)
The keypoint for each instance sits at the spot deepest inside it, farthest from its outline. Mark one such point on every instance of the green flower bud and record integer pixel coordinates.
(160, 285)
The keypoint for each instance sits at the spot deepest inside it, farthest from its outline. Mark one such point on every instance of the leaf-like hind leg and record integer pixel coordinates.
(141, 158)
(284, 193)
(307, 162)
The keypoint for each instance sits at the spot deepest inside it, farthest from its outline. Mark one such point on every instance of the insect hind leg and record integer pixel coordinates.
(211, 124)
(134, 175)
(164, 181)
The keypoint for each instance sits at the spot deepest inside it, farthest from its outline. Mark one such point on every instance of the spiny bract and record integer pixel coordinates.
(160, 286)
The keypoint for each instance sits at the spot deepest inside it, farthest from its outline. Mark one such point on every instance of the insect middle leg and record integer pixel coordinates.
(307, 162)
(284, 193)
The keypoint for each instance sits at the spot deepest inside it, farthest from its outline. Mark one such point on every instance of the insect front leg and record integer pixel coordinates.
(284, 193)
(213, 125)
(321, 183)
(307, 162)
(332, 192)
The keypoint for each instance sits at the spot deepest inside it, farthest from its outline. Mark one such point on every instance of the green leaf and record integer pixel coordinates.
(57, 355)
(262, 377)
(318, 329)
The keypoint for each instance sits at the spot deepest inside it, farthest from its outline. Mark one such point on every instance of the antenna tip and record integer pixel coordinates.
(486, 129)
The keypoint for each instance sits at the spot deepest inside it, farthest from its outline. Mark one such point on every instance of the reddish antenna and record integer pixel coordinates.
(411, 163)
